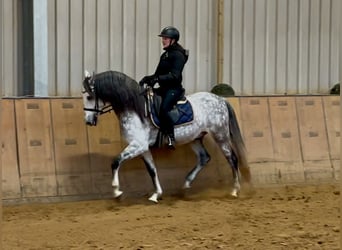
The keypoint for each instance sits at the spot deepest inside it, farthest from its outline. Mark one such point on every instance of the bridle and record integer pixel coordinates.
(91, 91)
(103, 110)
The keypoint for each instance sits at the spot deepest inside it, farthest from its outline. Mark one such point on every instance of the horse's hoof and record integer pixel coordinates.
(154, 198)
(117, 193)
(234, 193)
(187, 185)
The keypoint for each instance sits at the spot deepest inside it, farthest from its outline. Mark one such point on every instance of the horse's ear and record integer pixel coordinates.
(87, 74)
(87, 83)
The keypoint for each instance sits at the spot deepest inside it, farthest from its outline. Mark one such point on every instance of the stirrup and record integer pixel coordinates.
(170, 142)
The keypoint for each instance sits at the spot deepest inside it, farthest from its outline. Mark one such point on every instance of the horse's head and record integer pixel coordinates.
(91, 105)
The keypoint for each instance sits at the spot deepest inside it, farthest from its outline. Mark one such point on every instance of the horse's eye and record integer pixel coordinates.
(89, 97)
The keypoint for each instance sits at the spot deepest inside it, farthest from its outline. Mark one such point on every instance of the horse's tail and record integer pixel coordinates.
(238, 144)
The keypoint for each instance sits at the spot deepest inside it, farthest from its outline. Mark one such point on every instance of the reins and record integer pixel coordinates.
(147, 92)
(104, 110)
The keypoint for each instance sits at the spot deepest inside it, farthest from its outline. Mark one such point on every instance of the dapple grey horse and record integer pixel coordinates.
(211, 115)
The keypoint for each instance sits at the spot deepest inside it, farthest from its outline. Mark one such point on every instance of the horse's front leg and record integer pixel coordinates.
(151, 168)
(131, 151)
(115, 171)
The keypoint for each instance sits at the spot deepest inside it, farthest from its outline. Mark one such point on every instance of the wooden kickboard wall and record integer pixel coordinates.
(48, 151)
(35, 147)
(70, 147)
(10, 166)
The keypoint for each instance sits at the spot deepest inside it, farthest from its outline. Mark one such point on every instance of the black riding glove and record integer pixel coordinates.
(153, 81)
(146, 79)
(149, 80)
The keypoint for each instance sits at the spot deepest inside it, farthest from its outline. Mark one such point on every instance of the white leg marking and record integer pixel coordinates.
(154, 197)
(236, 189)
(186, 185)
(154, 175)
(234, 193)
(115, 184)
(117, 192)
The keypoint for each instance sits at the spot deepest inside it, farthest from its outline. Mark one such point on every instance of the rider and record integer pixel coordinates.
(169, 76)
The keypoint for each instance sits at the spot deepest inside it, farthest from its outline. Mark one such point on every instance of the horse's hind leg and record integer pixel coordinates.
(202, 159)
(149, 163)
(233, 162)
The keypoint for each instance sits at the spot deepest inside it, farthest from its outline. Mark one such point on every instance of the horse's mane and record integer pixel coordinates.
(123, 92)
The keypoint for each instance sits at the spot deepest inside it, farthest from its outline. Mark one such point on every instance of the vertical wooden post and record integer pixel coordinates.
(220, 42)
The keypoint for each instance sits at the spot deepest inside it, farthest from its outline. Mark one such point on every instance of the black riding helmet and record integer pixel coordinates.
(170, 32)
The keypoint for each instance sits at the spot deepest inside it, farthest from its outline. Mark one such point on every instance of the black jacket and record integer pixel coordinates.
(170, 67)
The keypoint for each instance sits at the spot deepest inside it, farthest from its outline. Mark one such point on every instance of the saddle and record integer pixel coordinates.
(181, 113)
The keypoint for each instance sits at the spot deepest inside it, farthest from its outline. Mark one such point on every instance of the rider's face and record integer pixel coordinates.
(166, 41)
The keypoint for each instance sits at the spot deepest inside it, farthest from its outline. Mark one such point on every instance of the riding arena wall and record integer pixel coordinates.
(257, 47)
(49, 154)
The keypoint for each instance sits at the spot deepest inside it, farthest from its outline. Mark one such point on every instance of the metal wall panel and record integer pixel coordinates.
(62, 47)
(89, 37)
(51, 50)
(281, 47)
(76, 44)
(269, 47)
(122, 35)
(102, 34)
(1, 46)
(10, 50)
